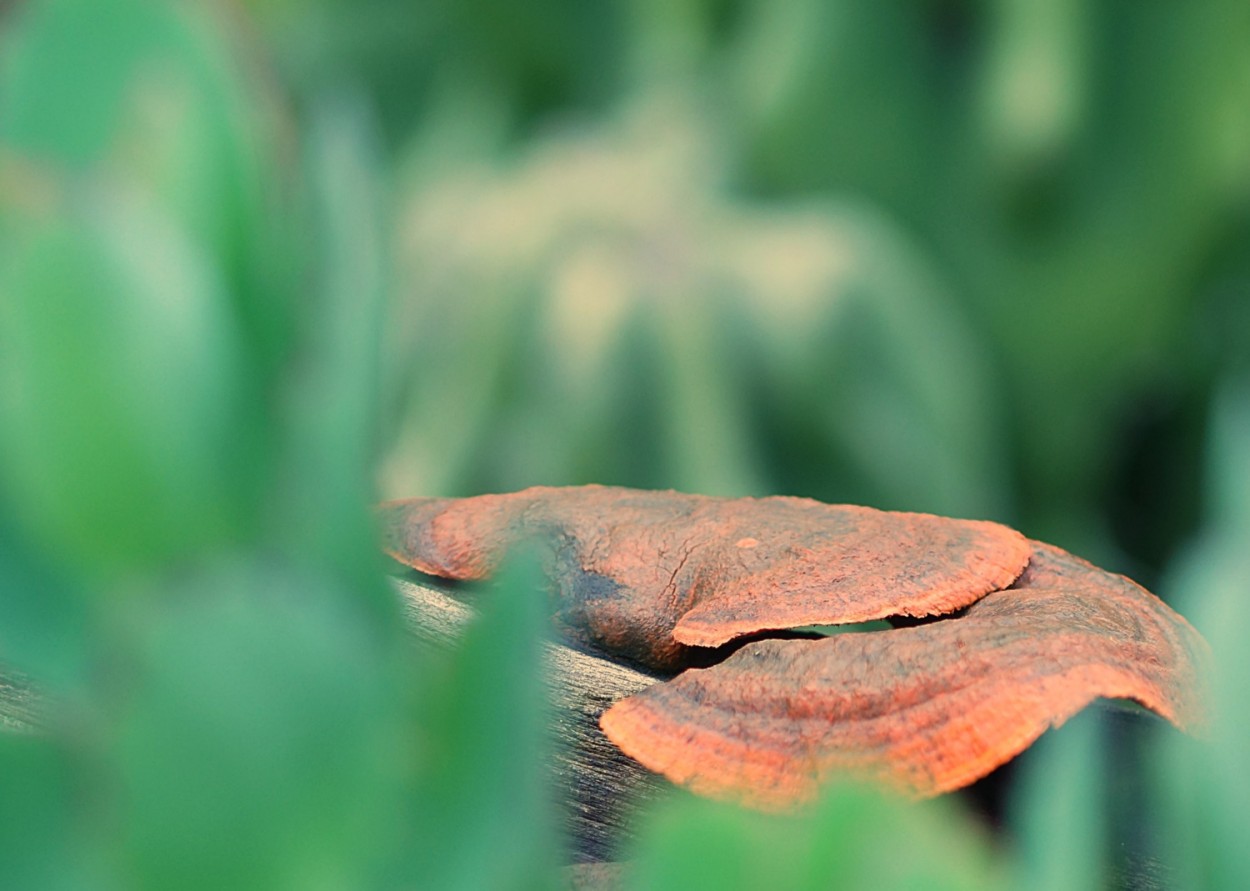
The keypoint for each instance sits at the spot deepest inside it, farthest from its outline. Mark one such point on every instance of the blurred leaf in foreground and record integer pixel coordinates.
(148, 94)
(143, 284)
(483, 812)
(117, 365)
(43, 837)
(236, 720)
(1206, 783)
(43, 615)
(332, 439)
(249, 736)
(1058, 809)
(855, 838)
(147, 277)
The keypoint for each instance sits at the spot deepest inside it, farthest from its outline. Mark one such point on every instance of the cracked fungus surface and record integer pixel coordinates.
(660, 577)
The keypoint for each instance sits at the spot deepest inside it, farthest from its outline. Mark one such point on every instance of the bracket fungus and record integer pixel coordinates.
(1016, 636)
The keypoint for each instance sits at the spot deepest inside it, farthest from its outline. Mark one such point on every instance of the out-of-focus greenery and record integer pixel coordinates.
(1207, 786)
(262, 262)
(189, 371)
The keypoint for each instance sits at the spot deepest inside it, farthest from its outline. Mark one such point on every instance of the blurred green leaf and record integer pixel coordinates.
(145, 315)
(149, 97)
(43, 614)
(45, 802)
(117, 371)
(483, 812)
(443, 53)
(67, 70)
(1059, 809)
(1205, 783)
(333, 433)
(251, 735)
(855, 838)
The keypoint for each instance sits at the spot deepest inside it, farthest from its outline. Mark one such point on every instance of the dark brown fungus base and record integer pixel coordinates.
(928, 708)
(645, 575)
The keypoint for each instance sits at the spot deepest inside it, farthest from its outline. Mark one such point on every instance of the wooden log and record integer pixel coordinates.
(599, 786)
(19, 706)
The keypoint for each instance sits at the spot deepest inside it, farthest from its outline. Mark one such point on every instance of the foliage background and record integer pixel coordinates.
(263, 262)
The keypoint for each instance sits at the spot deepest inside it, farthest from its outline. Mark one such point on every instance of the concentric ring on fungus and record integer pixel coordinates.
(659, 577)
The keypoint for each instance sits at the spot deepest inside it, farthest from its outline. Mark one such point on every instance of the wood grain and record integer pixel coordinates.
(599, 785)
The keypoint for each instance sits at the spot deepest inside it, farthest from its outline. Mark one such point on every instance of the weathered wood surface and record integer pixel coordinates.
(595, 876)
(599, 785)
(18, 704)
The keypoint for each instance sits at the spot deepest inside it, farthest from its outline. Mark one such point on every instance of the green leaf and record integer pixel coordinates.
(855, 838)
(252, 740)
(147, 96)
(1204, 784)
(1060, 807)
(44, 800)
(67, 67)
(332, 434)
(482, 806)
(117, 372)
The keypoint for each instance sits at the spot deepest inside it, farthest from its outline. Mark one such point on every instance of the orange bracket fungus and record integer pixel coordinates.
(1020, 634)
